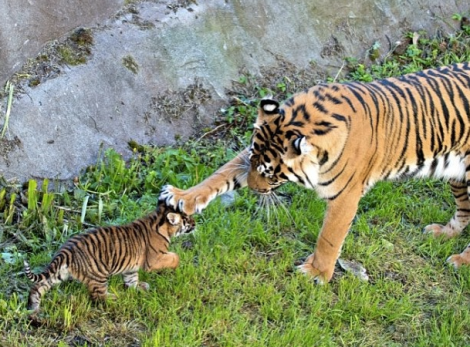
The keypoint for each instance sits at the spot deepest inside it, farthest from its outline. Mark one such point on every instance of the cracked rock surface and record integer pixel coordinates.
(158, 71)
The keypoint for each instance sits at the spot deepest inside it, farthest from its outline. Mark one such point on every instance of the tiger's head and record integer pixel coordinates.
(292, 142)
(174, 223)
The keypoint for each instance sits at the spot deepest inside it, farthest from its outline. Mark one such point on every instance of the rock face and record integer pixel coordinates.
(156, 71)
(25, 26)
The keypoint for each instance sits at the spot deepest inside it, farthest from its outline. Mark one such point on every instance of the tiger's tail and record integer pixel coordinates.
(32, 276)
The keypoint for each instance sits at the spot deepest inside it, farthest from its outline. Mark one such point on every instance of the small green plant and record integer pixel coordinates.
(129, 63)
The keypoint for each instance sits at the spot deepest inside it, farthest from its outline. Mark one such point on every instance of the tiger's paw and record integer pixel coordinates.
(143, 286)
(110, 297)
(458, 260)
(189, 201)
(310, 271)
(319, 274)
(168, 194)
(438, 230)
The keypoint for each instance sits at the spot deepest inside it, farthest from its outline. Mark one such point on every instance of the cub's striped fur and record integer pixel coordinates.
(92, 257)
(340, 139)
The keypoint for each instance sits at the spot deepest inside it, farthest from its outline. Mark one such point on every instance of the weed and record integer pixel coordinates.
(129, 62)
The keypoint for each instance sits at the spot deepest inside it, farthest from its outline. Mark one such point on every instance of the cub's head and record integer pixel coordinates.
(291, 142)
(174, 223)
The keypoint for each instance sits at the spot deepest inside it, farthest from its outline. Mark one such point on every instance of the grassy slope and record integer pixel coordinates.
(237, 284)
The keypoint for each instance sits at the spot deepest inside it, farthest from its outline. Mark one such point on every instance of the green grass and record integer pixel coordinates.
(237, 284)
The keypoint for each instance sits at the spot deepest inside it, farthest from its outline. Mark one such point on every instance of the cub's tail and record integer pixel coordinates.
(33, 277)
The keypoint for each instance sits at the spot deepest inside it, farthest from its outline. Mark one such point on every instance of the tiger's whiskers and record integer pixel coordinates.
(272, 201)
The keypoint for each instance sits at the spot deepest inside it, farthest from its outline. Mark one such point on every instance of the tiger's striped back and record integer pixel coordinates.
(93, 256)
(416, 125)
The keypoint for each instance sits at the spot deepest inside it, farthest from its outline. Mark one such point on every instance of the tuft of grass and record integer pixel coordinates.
(237, 284)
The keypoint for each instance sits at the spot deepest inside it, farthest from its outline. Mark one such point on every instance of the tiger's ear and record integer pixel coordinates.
(267, 107)
(173, 218)
(301, 146)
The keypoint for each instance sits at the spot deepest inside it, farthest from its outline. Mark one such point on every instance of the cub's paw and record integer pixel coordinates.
(109, 296)
(438, 230)
(144, 286)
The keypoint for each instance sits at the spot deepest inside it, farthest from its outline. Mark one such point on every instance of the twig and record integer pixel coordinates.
(339, 71)
(67, 209)
(7, 113)
(211, 132)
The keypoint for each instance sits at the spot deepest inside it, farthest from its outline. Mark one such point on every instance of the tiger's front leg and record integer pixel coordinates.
(168, 260)
(232, 175)
(338, 218)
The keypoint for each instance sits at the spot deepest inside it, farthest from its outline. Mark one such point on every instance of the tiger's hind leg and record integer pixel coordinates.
(98, 288)
(459, 221)
(38, 290)
(50, 278)
(461, 217)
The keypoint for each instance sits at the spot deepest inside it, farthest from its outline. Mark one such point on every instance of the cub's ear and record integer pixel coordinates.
(301, 146)
(173, 218)
(269, 106)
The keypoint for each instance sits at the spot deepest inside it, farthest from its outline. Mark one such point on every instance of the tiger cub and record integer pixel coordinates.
(92, 257)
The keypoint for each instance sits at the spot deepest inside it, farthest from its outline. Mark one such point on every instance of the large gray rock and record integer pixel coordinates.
(159, 70)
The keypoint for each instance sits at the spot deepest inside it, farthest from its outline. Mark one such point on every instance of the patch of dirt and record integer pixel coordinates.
(332, 48)
(282, 80)
(132, 10)
(176, 5)
(178, 108)
(174, 104)
(6, 146)
(73, 50)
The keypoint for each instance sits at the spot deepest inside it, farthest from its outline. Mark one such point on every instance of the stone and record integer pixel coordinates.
(157, 71)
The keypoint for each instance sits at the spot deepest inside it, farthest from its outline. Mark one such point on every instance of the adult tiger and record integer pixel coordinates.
(342, 138)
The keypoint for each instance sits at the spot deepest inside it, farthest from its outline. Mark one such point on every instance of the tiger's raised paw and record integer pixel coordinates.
(167, 194)
(190, 201)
